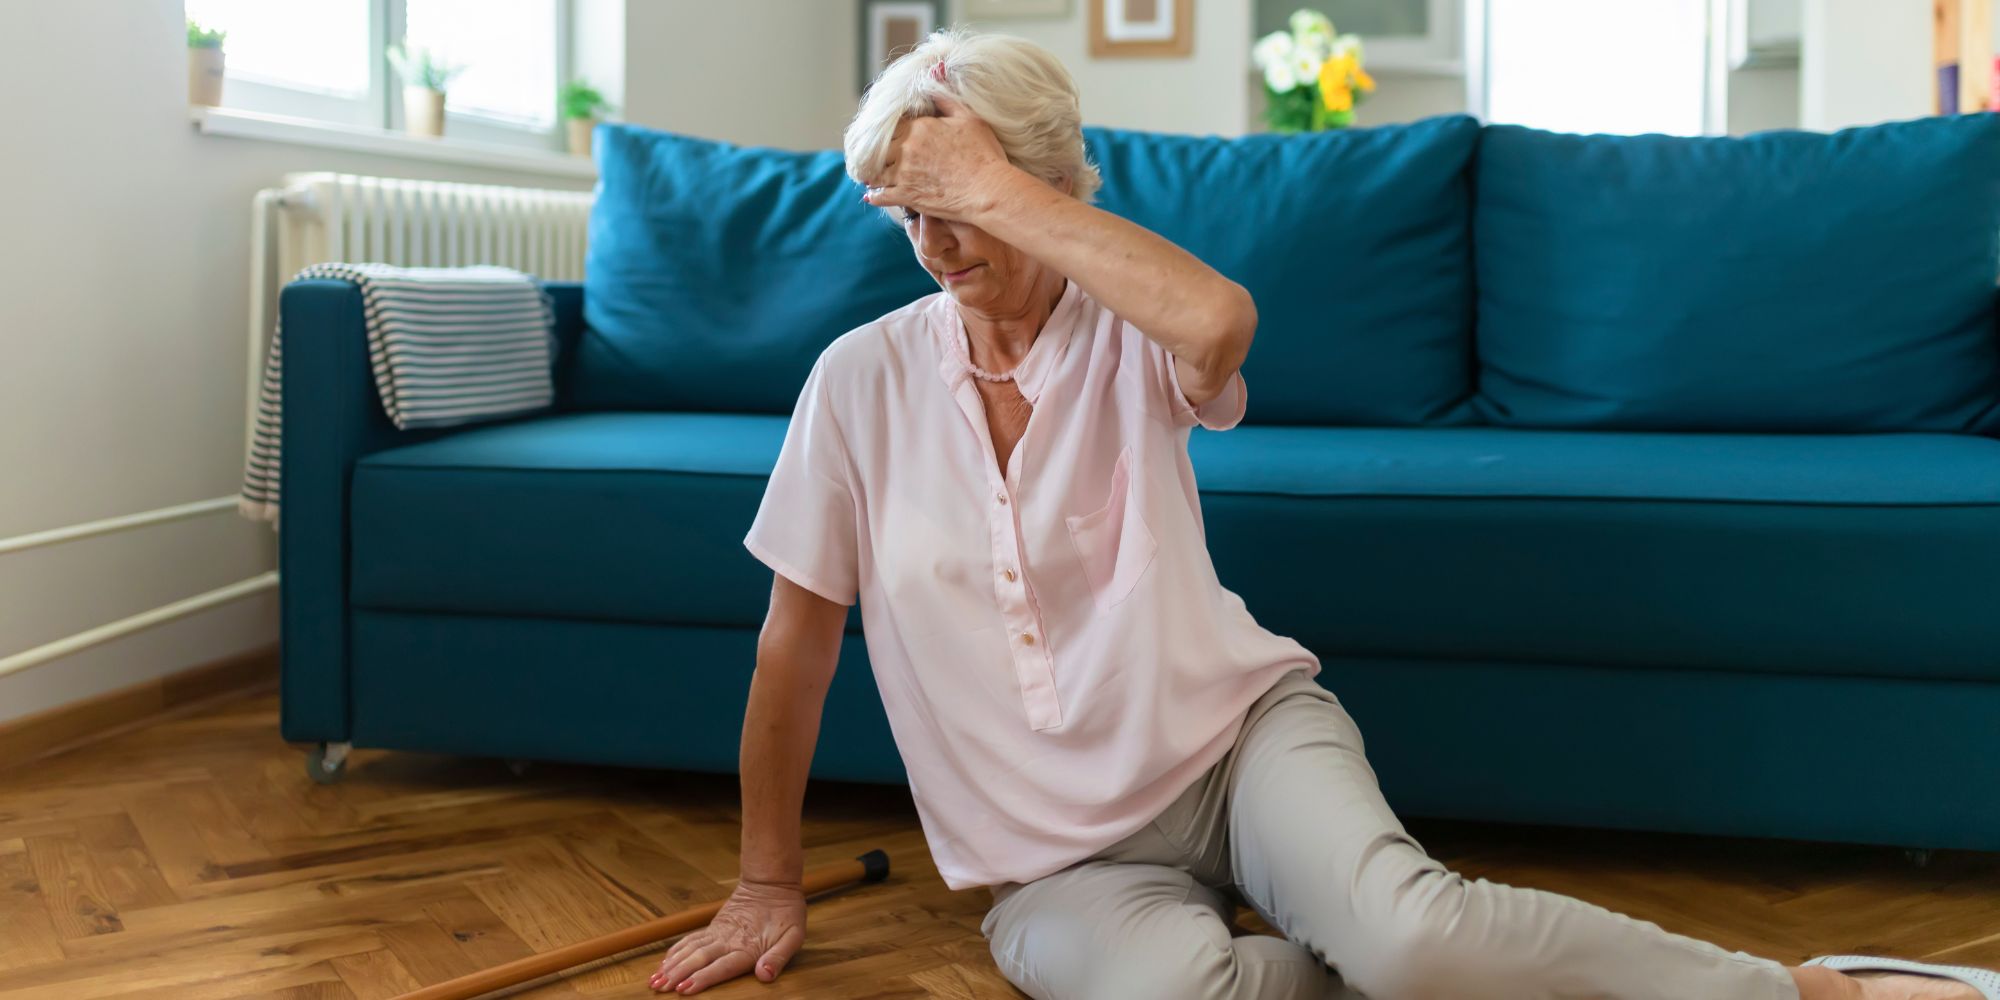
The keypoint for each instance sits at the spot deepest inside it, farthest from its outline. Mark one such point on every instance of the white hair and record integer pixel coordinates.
(1018, 88)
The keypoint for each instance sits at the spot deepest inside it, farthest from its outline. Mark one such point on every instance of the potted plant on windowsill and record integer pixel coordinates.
(204, 65)
(424, 79)
(581, 106)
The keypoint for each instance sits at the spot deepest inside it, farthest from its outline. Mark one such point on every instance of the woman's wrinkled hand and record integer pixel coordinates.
(762, 924)
(948, 166)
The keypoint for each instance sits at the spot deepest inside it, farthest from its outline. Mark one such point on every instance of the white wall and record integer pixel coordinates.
(754, 72)
(1199, 94)
(125, 256)
(1864, 61)
(689, 69)
(1868, 66)
(1764, 98)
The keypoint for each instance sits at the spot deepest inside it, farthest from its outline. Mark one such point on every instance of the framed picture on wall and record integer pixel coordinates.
(1141, 27)
(890, 28)
(989, 9)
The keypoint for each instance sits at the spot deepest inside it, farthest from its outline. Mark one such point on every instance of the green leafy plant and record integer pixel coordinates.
(577, 99)
(425, 69)
(204, 38)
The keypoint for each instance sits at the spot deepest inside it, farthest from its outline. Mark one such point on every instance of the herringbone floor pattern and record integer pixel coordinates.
(193, 860)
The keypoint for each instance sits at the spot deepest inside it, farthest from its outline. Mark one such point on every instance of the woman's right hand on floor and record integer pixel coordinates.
(761, 925)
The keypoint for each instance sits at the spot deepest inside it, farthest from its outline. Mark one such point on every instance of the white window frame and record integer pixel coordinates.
(382, 106)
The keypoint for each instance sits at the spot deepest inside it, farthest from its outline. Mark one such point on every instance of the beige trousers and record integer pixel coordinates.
(1291, 822)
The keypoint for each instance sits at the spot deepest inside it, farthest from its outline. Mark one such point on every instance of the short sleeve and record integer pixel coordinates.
(1218, 414)
(805, 528)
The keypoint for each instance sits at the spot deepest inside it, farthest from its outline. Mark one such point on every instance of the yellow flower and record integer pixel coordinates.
(1333, 73)
(1338, 76)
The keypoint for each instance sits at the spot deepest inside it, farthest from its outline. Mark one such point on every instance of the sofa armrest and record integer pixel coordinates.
(331, 417)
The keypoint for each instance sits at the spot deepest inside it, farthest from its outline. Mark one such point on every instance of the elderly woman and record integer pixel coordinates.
(1093, 726)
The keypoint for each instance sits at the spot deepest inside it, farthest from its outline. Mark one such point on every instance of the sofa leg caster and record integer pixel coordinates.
(519, 767)
(1918, 856)
(327, 763)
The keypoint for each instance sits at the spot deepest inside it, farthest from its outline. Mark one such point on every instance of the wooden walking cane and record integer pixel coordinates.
(870, 867)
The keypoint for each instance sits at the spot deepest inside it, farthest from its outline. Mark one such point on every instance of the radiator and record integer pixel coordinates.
(317, 218)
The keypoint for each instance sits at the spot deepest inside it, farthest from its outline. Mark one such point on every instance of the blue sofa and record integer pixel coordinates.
(1634, 482)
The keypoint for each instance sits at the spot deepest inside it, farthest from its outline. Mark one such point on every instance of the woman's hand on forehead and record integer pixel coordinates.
(949, 166)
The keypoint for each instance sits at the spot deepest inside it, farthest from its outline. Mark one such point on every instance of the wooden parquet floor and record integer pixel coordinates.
(194, 860)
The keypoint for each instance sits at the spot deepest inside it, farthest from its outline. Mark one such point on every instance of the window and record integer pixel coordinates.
(307, 60)
(1587, 66)
(327, 60)
(507, 48)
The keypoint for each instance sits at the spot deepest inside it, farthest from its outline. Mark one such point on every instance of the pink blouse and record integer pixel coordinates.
(1055, 655)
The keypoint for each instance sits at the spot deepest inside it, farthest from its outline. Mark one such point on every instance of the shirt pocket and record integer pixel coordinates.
(1113, 543)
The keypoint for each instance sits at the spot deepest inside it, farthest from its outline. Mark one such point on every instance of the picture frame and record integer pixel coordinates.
(1141, 28)
(996, 10)
(890, 28)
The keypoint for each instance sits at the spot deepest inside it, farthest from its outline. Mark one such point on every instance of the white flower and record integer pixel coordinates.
(1311, 22)
(1318, 46)
(1280, 77)
(1272, 48)
(1350, 44)
(1305, 64)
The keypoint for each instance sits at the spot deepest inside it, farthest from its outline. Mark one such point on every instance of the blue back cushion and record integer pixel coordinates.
(1782, 281)
(716, 273)
(1354, 243)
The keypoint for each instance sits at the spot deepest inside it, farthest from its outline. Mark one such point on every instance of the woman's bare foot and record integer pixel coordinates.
(1821, 983)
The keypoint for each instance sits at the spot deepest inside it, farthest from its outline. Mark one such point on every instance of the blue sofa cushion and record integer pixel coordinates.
(620, 516)
(717, 272)
(1809, 554)
(1782, 281)
(1354, 243)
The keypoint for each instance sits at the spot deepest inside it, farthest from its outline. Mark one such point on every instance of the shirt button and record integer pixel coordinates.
(1002, 497)
(1028, 638)
(1009, 574)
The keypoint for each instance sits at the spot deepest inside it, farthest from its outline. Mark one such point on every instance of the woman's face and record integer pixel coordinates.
(986, 276)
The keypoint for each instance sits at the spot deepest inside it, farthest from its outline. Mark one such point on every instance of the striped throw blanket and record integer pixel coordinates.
(449, 345)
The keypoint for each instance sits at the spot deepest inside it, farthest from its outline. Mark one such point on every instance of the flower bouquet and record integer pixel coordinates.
(1312, 76)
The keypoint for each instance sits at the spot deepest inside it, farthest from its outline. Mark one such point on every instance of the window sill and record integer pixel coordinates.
(305, 132)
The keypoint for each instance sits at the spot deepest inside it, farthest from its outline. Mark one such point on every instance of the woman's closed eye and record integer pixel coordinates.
(909, 216)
